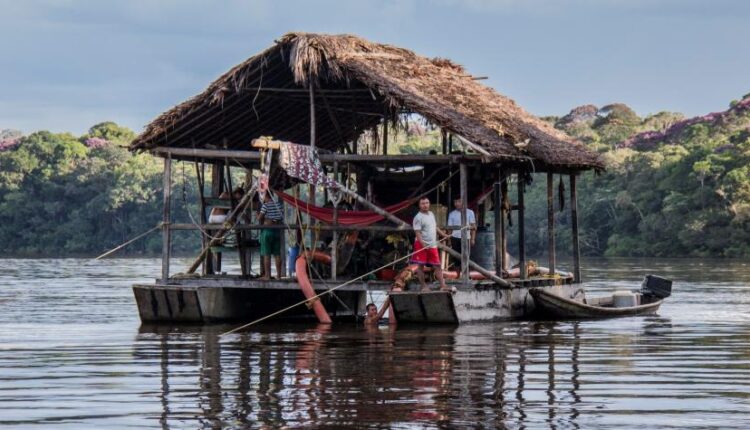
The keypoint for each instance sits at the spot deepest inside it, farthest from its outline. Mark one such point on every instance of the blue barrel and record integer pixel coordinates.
(291, 259)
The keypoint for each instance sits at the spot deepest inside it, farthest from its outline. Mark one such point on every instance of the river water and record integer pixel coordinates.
(73, 354)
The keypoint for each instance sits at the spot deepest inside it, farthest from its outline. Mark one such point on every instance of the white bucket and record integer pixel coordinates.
(624, 299)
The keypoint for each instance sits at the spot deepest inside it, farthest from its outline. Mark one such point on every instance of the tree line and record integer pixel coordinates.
(673, 187)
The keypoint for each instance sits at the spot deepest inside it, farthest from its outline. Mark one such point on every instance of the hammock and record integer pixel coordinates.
(361, 218)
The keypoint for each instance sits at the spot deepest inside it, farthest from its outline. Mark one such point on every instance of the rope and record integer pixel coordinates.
(128, 242)
(313, 298)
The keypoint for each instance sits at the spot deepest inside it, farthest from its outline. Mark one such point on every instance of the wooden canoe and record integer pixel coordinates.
(561, 307)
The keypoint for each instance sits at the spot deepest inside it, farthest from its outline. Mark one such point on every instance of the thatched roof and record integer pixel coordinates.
(356, 84)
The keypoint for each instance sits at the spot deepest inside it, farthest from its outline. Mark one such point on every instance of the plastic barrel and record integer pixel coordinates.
(483, 251)
(291, 258)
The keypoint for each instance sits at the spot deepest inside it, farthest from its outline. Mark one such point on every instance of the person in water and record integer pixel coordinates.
(372, 315)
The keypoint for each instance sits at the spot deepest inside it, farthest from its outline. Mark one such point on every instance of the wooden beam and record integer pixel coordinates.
(574, 224)
(322, 227)
(334, 121)
(303, 91)
(335, 247)
(312, 115)
(463, 180)
(498, 229)
(504, 213)
(326, 158)
(521, 232)
(385, 135)
(166, 246)
(199, 173)
(206, 153)
(550, 223)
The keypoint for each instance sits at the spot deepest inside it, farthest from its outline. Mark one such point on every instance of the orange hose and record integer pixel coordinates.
(304, 283)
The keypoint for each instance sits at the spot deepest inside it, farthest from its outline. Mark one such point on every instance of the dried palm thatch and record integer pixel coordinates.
(356, 83)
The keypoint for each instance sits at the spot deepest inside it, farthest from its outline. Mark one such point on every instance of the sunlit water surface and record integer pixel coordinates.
(73, 354)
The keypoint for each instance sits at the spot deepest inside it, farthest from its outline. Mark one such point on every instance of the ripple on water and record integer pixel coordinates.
(74, 355)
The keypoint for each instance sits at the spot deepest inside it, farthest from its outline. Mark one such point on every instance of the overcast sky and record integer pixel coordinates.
(66, 65)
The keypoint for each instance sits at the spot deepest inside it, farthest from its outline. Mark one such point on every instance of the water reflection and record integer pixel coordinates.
(468, 375)
(73, 356)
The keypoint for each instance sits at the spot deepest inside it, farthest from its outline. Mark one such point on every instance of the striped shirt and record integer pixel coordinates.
(272, 210)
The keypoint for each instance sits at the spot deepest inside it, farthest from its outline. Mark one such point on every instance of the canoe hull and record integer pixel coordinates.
(552, 305)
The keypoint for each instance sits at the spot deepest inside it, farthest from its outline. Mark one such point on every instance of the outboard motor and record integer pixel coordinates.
(656, 286)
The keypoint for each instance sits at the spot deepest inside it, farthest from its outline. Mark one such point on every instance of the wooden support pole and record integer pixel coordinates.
(550, 223)
(444, 140)
(574, 224)
(498, 215)
(200, 172)
(385, 135)
(464, 223)
(521, 233)
(335, 241)
(213, 262)
(312, 115)
(166, 246)
(503, 215)
(310, 219)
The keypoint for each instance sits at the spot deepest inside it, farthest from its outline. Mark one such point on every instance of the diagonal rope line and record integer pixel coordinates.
(313, 298)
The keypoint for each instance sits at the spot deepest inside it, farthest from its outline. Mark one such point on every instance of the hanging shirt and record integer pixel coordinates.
(425, 224)
(454, 218)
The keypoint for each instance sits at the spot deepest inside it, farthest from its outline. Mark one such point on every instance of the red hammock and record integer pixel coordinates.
(362, 218)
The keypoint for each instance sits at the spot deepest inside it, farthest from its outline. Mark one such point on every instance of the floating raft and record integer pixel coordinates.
(222, 298)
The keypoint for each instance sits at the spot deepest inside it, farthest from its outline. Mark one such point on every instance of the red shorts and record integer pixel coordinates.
(425, 256)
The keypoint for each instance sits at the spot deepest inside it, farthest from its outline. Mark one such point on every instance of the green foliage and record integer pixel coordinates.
(60, 197)
(689, 197)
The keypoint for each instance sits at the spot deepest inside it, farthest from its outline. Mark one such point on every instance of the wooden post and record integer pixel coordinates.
(574, 224)
(213, 262)
(444, 140)
(166, 219)
(521, 233)
(335, 241)
(464, 232)
(200, 174)
(499, 257)
(312, 115)
(385, 135)
(550, 224)
(310, 219)
(503, 214)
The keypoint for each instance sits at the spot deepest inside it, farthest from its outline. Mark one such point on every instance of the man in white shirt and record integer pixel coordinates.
(426, 244)
(454, 219)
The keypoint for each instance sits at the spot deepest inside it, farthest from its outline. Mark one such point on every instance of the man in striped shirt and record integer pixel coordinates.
(271, 213)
